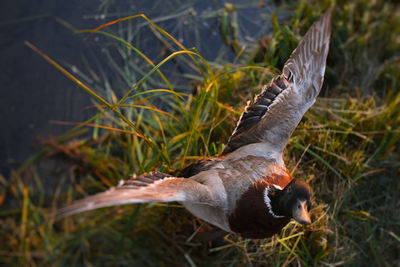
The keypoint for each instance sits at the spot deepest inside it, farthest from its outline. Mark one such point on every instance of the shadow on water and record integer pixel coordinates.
(33, 93)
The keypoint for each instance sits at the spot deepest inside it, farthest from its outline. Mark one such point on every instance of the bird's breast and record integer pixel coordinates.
(252, 218)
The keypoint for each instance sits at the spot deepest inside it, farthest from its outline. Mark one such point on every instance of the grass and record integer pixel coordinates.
(346, 147)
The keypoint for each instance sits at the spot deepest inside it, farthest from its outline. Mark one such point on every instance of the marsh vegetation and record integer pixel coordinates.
(346, 147)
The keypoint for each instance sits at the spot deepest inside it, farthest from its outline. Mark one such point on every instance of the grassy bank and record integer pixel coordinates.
(346, 147)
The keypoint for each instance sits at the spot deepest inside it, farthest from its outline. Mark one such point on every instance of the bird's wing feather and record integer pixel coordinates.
(278, 109)
(148, 188)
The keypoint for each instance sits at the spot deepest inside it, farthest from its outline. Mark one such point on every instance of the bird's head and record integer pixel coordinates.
(295, 201)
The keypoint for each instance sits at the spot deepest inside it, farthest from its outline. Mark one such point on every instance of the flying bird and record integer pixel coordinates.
(248, 190)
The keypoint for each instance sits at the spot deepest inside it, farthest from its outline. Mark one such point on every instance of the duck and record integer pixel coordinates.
(247, 190)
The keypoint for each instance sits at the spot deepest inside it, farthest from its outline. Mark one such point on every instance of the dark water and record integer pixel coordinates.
(33, 93)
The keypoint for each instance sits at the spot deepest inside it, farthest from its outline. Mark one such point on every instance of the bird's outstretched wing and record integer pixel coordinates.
(147, 188)
(278, 109)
